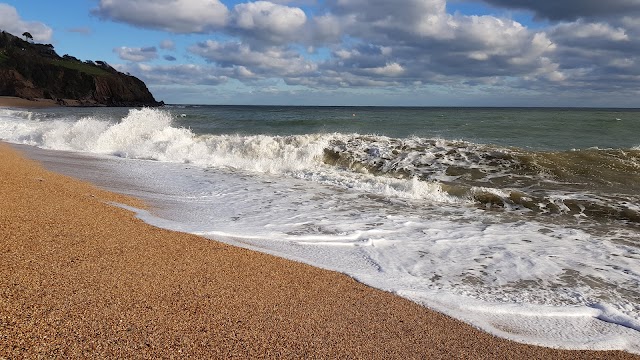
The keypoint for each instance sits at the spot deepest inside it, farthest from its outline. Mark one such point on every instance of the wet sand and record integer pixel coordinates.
(84, 279)
(11, 101)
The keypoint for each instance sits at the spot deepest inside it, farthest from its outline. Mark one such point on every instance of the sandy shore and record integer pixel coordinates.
(11, 101)
(81, 278)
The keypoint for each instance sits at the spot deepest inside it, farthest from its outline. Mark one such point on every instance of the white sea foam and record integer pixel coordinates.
(149, 134)
(527, 280)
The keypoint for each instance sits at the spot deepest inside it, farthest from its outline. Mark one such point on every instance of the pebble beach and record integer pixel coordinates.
(82, 277)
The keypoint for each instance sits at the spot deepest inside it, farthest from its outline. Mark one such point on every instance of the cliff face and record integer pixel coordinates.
(35, 71)
(14, 84)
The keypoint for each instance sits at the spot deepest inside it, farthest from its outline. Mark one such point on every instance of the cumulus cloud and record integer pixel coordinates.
(11, 22)
(405, 43)
(329, 28)
(390, 70)
(597, 55)
(272, 61)
(572, 9)
(137, 54)
(242, 72)
(421, 42)
(178, 16)
(381, 12)
(268, 21)
(393, 44)
(595, 34)
(184, 74)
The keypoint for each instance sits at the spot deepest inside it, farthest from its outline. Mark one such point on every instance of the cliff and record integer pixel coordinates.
(29, 70)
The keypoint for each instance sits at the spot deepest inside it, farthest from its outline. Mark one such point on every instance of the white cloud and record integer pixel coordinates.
(11, 22)
(271, 61)
(381, 43)
(430, 44)
(167, 44)
(329, 28)
(597, 55)
(183, 74)
(391, 69)
(268, 22)
(267, 16)
(592, 31)
(178, 16)
(136, 54)
(244, 73)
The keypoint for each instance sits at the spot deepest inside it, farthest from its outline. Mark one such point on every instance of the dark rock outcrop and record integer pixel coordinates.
(32, 71)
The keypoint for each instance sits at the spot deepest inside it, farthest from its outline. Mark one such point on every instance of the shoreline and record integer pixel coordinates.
(82, 278)
(13, 101)
(17, 102)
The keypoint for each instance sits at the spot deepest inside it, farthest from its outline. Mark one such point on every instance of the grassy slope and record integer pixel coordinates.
(80, 66)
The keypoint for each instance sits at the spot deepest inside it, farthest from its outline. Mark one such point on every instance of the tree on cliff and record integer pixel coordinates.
(27, 36)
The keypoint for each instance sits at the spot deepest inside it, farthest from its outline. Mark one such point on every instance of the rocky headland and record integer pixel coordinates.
(35, 71)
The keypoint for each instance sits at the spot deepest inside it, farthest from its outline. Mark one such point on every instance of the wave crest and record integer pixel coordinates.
(415, 168)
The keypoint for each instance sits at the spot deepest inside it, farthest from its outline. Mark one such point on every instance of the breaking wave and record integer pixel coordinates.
(594, 183)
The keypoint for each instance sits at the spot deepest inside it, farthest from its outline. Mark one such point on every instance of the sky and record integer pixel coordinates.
(583, 53)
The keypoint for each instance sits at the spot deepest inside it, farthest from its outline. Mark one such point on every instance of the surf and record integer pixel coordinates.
(487, 226)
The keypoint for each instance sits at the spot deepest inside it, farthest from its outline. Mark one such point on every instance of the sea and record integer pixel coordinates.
(523, 222)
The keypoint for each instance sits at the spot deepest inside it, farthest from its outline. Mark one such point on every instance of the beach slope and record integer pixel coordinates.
(82, 278)
(12, 101)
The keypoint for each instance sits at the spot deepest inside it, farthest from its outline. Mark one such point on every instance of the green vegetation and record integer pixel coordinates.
(32, 59)
(59, 77)
(80, 66)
